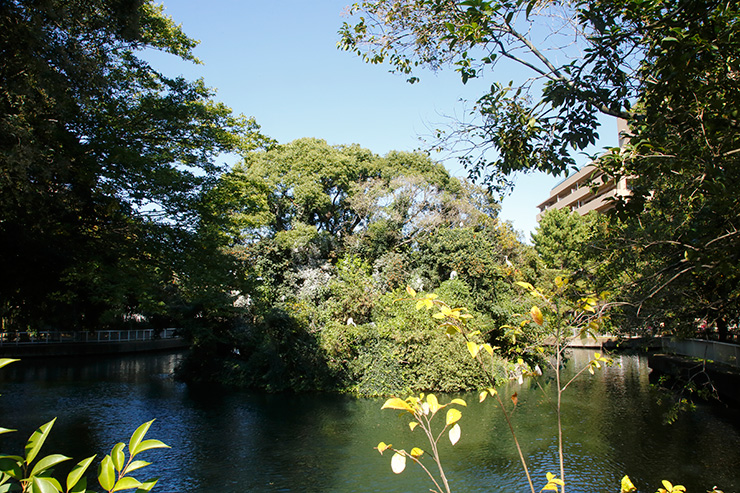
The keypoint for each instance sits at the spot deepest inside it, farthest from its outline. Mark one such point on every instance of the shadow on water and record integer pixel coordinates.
(243, 442)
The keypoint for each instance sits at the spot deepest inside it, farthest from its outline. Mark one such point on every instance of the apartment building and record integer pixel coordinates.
(589, 189)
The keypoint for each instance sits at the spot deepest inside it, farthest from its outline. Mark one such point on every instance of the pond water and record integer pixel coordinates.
(246, 442)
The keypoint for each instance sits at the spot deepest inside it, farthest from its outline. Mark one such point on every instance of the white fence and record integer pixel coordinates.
(18, 338)
(720, 352)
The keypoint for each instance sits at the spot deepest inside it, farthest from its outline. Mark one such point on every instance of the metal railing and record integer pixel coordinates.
(720, 352)
(56, 337)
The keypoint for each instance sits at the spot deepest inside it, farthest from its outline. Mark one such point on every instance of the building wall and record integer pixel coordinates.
(589, 189)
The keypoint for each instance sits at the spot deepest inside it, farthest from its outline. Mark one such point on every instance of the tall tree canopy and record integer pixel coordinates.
(612, 57)
(98, 151)
(332, 236)
(671, 69)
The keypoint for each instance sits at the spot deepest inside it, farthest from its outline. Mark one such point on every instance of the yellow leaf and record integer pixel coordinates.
(466, 316)
(536, 315)
(473, 348)
(416, 452)
(451, 329)
(482, 396)
(413, 425)
(411, 291)
(627, 486)
(488, 348)
(525, 285)
(398, 463)
(453, 416)
(396, 403)
(550, 487)
(667, 485)
(433, 403)
(459, 402)
(597, 356)
(454, 434)
(382, 447)
(439, 316)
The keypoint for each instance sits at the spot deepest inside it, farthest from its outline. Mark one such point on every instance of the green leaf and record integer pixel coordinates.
(47, 463)
(138, 435)
(78, 471)
(147, 486)
(107, 473)
(127, 483)
(45, 485)
(11, 465)
(118, 456)
(137, 464)
(150, 444)
(79, 487)
(36, 441)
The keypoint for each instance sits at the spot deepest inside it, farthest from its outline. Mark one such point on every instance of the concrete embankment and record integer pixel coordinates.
(40, 350)
(724, 378)
(612, 343)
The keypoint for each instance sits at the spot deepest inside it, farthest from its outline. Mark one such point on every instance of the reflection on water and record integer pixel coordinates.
(244, 442)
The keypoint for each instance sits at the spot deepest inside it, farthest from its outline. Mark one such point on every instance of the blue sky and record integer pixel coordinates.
(281, 65)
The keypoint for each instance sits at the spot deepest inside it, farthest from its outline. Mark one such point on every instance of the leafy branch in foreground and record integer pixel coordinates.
(567, 319)
(423, 413)
(21, 474)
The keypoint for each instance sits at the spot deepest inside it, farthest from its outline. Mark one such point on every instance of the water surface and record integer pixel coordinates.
(246, 442)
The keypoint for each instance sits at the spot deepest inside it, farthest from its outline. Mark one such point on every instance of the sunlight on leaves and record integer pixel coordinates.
(398, 463)
(454, 434)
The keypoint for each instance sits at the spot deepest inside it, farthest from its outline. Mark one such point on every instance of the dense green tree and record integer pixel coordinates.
(103, 157)
(332, 236)
(561, 237)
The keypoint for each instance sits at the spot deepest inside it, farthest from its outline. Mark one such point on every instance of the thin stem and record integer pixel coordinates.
(557, 411)
(516, 442)
(426, 425)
